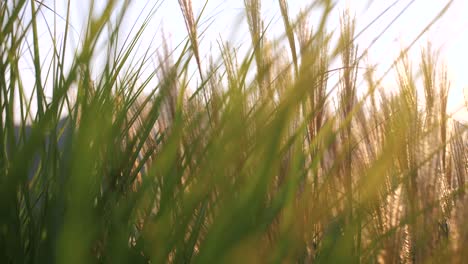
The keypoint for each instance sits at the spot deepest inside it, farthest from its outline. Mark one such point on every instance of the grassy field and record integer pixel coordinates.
(264, 160)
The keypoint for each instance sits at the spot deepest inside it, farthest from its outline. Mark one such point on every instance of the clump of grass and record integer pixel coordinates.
(269, 170)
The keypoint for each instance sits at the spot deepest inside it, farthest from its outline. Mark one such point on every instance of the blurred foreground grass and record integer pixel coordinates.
(282, 168)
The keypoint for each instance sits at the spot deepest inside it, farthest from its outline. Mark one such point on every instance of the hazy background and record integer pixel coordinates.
(225, 21)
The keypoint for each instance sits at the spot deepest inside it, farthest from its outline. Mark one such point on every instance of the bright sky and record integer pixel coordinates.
(224, 19)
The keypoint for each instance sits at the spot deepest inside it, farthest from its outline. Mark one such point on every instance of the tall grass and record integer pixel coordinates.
(287, 167)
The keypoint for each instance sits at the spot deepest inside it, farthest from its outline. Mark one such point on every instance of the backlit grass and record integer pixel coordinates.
(264, 159)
